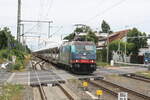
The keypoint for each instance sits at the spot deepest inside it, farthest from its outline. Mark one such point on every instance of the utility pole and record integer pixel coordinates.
(22, 33)
(18, 20)
(107, 48)
(49, 26)
(126, 48)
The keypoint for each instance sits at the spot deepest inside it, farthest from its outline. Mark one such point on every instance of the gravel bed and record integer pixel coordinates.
(28, 93)
(137, 85)
(76, 87)
(117, 90)
(105, 96)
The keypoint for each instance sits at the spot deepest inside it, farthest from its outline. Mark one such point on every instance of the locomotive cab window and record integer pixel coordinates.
(84, 48)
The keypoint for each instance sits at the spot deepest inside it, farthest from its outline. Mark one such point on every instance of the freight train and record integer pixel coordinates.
(77, 56)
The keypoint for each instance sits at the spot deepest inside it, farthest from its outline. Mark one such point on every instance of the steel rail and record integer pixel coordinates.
(43, 95)
(68, 94)
(137, 77)
(70, 97)
(126, 89)
(105, 89)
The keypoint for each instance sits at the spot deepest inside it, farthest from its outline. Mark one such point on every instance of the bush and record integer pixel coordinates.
(102, 64)
(18, 65)
(4, 53)
(19, 54)
(101, 55)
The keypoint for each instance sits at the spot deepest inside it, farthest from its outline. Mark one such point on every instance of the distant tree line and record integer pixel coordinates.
(7, 41)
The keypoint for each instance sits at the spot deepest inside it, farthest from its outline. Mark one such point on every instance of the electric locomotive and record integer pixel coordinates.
(78, 56)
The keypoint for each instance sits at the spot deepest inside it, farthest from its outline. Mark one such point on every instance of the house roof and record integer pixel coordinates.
(112, 37)
(116, 35)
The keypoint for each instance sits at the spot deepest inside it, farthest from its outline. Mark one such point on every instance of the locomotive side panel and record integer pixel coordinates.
(64, 55)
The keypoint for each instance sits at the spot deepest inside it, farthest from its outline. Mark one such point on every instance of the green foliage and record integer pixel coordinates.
(102, 64)
(92, 37)
(138, 42)
(7, 54)
(4, 53)
(85, 29)
(17, 66)
(4, 38)
(10, 47)
(101, 55)
(105, 27)
(7, 41)
(70, 37)
(114, 46)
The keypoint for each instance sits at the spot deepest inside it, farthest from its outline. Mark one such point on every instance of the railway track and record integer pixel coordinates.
(113, 89)
(46, 94)
(137, 77)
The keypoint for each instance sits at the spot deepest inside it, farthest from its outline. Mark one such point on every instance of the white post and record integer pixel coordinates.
(122, 96)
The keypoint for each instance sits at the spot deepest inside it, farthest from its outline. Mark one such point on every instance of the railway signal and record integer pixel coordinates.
(85, 85)
(99, 93)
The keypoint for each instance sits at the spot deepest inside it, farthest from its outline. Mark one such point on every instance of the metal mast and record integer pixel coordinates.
(18, 20)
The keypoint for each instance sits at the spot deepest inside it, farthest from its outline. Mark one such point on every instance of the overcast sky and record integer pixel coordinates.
(120, 14)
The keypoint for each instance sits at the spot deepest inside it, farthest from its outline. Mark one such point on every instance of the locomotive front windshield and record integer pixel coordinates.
(80, 48)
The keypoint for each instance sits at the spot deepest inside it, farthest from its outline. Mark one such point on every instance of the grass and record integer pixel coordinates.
(11, 92)
(102, 64)
(2, 60)
(145, 73)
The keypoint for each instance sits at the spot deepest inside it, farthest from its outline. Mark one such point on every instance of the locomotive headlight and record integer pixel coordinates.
(92, 61)
(77, 60)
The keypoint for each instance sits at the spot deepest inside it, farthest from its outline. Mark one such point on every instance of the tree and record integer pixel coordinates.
(5, 38)
(70, 37)
(84, 29)
(105, 27)
(10, 47)
(92, 37)
(7, 41)
(138, 42)
(113, 46)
